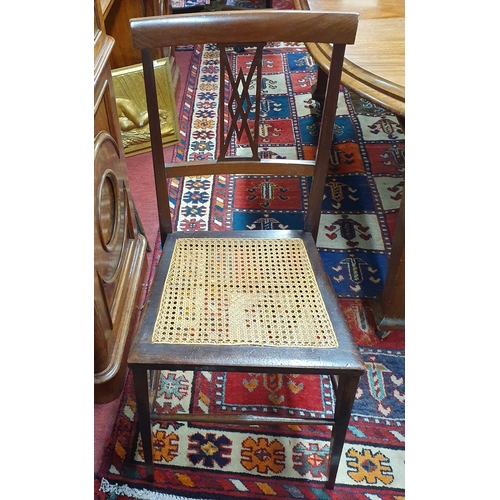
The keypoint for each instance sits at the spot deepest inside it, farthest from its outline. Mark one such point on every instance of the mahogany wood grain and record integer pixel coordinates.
(247, 26)
(119, 270)
(119, 251)
(116, 15)
(116, 19)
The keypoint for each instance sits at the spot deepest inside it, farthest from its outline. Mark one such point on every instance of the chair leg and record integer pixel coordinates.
(142, 399)
(345, 394)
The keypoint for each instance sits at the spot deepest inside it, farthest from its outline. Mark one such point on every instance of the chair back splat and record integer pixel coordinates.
(254, 301)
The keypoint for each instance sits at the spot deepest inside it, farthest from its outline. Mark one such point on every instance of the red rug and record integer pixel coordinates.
(364, 184)
(226, 462)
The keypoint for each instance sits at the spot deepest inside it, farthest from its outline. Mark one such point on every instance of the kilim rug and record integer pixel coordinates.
(363, 189)
(360, 207)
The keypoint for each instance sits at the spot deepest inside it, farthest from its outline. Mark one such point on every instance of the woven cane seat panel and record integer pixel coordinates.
(251, 291)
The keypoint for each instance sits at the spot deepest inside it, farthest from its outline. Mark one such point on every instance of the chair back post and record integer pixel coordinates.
(325, 140)
(161, 185)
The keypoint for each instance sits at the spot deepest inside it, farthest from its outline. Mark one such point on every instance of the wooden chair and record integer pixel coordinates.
(244, 301)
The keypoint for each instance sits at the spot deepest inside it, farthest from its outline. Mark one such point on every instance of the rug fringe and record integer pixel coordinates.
(140, 494)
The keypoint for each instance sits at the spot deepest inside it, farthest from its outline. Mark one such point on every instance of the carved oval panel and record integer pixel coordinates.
(110, 207)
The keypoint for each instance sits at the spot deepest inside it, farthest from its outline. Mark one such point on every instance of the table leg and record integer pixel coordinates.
(345, 394)
(142, 399)
(318, 90)
(389, 312)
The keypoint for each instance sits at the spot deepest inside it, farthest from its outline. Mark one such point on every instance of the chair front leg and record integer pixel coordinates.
(345, 394)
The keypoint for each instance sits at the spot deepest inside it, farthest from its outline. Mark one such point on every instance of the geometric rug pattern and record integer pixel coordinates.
(364, 184)
(222, 462)
(359, 211)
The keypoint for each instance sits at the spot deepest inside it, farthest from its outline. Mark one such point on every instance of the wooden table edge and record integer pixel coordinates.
(380, 91)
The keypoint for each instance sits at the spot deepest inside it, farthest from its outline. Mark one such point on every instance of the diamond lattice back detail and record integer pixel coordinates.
(229, 291)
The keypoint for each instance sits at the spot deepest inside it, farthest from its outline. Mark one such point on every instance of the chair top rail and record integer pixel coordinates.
(245, 27)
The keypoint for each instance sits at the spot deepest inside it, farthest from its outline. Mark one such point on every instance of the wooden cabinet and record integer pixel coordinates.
(116, 15)
(120, 266)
